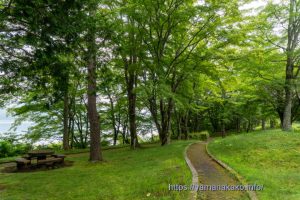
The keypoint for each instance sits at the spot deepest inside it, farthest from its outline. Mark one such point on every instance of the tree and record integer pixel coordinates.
(282, 31)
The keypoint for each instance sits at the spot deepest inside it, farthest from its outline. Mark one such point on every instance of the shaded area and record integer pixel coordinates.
(12, 168)
(211, 173)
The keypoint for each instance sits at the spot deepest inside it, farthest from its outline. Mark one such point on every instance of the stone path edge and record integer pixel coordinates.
(193, 170)
(252, 195)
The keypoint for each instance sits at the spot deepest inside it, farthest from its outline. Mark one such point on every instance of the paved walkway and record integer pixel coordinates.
(211, 173)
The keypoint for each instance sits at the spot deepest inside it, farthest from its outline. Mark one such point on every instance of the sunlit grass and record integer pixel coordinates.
(125, 174)
(271, 158)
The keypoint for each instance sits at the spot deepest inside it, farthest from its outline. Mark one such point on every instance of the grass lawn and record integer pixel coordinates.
(270, 158)
(125, 174)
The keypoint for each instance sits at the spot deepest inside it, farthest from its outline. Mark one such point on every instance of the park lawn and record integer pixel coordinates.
(126, 174)
(270, 158)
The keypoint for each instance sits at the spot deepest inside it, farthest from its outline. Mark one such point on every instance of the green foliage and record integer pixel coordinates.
(192, 66)
(105, 143)
(203, 135)
(8, 149)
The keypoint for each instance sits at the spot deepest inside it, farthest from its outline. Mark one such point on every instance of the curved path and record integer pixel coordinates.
(211, 173)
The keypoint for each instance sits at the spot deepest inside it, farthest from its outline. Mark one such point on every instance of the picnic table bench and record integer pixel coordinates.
(22, 162)
(49, 162)
(61, 156)
(43, 158)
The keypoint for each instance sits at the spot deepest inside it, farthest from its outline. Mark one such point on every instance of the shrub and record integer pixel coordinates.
(105, 143)
(6, 149)
(21, 149)
(203, 135)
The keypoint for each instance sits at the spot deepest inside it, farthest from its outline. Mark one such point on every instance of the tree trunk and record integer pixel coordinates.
(263, 124)
(238, 125)
(292, 43)
(95, 148)
(165, 111)
(66, 121)
(287, 115)
(272, 123)
(249, 125)
(131, 96)
(223, 131)
(93, 117)
(113, 119)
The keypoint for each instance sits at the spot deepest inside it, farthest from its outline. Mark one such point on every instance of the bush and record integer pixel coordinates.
(55, 146)
(105, 143)
(21, 149)
(203, 135)
(6, 149)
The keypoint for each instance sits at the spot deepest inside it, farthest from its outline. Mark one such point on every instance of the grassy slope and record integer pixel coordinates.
(271, 158)
(71, 151)
(125, 174)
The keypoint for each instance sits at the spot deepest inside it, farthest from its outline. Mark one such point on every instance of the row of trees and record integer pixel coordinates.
(130, 67)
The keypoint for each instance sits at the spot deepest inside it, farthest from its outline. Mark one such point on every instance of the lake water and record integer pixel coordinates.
(6, 122)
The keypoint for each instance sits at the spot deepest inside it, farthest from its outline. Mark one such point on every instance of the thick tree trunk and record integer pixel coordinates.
(165, 111)
(95, 148)
(287, 115)
(93, 117)
(66, 121)
(132, 114)
(131, 78)
(292, 43)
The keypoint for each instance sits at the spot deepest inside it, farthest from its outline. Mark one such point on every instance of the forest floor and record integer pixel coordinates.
(125, 174)
(210, 173)
(270, 158)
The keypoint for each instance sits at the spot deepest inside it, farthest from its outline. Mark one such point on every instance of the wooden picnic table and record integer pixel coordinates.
(40, 154)
(42, 159)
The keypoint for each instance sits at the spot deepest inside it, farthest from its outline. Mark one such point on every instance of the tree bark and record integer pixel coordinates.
(263, 124)
(165, 112)
(131, 78)
(93, 117)
(292, 43)
(238, 125)
(272, 123)
(95, 148)
(113, 119)
(66, 121)
(287, 115)
(223, 131)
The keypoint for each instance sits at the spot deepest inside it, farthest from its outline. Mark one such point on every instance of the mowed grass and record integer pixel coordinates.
(270, 158)
(141, 174)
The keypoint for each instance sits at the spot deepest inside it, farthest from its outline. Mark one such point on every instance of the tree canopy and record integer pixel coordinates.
(94, 72)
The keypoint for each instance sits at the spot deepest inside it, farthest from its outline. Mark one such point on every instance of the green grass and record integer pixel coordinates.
(125, 174)
(270, 158)
(68, 152)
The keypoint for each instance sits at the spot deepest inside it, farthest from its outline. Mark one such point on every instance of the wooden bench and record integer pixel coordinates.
(26, 157)
(49, 162)
(22, 162)
(59, 156)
